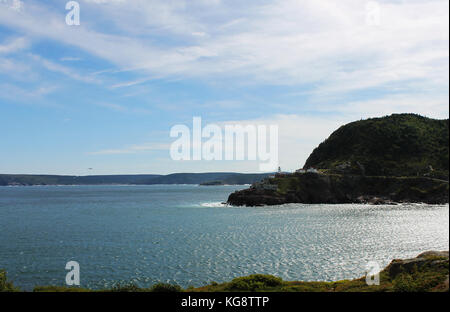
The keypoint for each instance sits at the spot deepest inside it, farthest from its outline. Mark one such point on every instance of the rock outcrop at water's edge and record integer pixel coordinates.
(409, 266)
(313, 188)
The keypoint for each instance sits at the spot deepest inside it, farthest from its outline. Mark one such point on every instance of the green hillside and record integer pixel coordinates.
(396, 145)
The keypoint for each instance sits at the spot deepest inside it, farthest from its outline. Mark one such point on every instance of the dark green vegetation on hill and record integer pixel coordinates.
(149, 179)
(396, 145)
(398, 158)
(429, 272)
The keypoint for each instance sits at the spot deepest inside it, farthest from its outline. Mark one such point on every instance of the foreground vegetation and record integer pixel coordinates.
(429, 272)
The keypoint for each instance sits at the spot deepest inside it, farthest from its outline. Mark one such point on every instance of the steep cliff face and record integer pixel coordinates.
(333, 189)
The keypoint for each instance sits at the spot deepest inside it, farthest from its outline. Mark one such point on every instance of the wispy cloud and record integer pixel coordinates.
(67, 71)
(130, 83)
(14, 45)
(29, 95)
(289, 42)
(250, 61)
(70, 59)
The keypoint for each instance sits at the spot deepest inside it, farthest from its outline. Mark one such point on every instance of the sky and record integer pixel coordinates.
(102, 96)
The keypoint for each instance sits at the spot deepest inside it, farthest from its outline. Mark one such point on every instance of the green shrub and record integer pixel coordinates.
(5, 285)
(254, 282)
(128, 287)
(166, 288)
(406, 283)
(54, 289)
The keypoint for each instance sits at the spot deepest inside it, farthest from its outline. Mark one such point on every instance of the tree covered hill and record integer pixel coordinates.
(396, 145)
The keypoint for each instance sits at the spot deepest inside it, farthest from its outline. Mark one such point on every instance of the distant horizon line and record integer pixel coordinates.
(132, 174)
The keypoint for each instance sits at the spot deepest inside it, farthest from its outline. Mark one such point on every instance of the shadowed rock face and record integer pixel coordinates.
(337, 189)
(251, 197)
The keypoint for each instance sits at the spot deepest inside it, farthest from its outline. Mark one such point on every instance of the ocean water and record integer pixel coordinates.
(183, 234)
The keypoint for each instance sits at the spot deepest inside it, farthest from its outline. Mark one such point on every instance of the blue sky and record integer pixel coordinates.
(104, 95)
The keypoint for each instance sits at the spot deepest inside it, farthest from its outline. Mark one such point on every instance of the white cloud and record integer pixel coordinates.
(12, 67)
(67, 71)
(15, 5)
(324, 46)
(131, 83)
(70, 59)
(14, 45)
(29, 95)
(287, 42)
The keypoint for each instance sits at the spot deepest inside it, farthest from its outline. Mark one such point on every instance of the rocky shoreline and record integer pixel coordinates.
(317, 188)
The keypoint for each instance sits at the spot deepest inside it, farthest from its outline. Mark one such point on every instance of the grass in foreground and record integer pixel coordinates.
(427, 273)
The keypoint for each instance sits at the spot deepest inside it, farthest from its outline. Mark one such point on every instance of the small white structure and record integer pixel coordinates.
(301, 171)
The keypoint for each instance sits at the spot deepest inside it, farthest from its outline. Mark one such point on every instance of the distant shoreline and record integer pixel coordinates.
(173, 184)
(222, 178)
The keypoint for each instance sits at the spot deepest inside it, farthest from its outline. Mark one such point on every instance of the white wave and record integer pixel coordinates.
(214, 205)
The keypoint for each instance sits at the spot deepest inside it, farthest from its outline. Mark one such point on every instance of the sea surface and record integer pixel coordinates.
(183, 234)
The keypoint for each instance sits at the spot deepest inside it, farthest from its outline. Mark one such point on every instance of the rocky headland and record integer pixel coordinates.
(400, 158)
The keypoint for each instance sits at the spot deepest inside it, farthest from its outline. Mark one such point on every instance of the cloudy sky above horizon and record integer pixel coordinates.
(105, 94)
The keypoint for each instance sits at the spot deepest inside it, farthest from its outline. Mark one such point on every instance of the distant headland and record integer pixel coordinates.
(212, 178)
